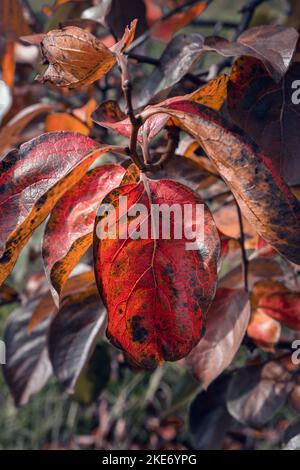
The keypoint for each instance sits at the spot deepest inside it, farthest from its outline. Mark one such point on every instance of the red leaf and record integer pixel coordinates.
(156, 292)
(282, 306)
(69, 231)
(31, 182)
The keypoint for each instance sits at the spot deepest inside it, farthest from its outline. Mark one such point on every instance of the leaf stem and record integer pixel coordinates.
(136, 121)
(243, 249)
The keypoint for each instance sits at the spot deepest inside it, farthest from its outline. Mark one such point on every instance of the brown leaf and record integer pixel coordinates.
(80, 320)
(12, 20)
(28, 372)
(178, 58)
(8, 295)
(256, 393)
(264, 198)
(75, 284)
(226, 325)
(266, 111)
(75, 57)
(209, 419)
(273, 45)
(259, 268)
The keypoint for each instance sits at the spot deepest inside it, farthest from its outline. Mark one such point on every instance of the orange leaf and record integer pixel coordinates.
(65, 122)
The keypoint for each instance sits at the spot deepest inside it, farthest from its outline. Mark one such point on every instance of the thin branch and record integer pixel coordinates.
(247, 12)
(141, 39)
(243, 249)
(219, 24)
(156, 62)
(136, 121)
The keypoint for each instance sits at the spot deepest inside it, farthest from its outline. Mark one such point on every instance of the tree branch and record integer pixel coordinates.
(141, 39)
(136, 121)
(243, 249)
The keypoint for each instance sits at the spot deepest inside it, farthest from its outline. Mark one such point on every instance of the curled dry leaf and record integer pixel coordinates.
(264, 198)
(76, 57)
(266, 111)
(226, 325)
(69, 230)
(157, 293)
(272, 44)
(47, 165)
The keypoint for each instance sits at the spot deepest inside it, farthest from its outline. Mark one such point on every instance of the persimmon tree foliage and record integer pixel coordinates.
(177, 135)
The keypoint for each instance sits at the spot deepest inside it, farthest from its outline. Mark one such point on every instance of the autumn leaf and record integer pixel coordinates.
(266, 111)
(69, 230)
(264, 330)
(157, 293)
(73, 331)
(264, 198)
(12, 20)
(8, 64)
(109, 114)
(65, 122)
(259, 268)
(8, 295)
(226, 325)
(74, 285)
(178, 58)
(272, 44)
(256, 393)
(165, 28)
(209, 419)
(47, 165)
(11, 132)
(26, 373)
(283, 307)
(76, 57)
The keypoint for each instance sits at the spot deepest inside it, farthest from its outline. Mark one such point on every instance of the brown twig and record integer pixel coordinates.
(136, 121)
(156, 62)
(247, 12)
(141, 39)
(243, 249)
